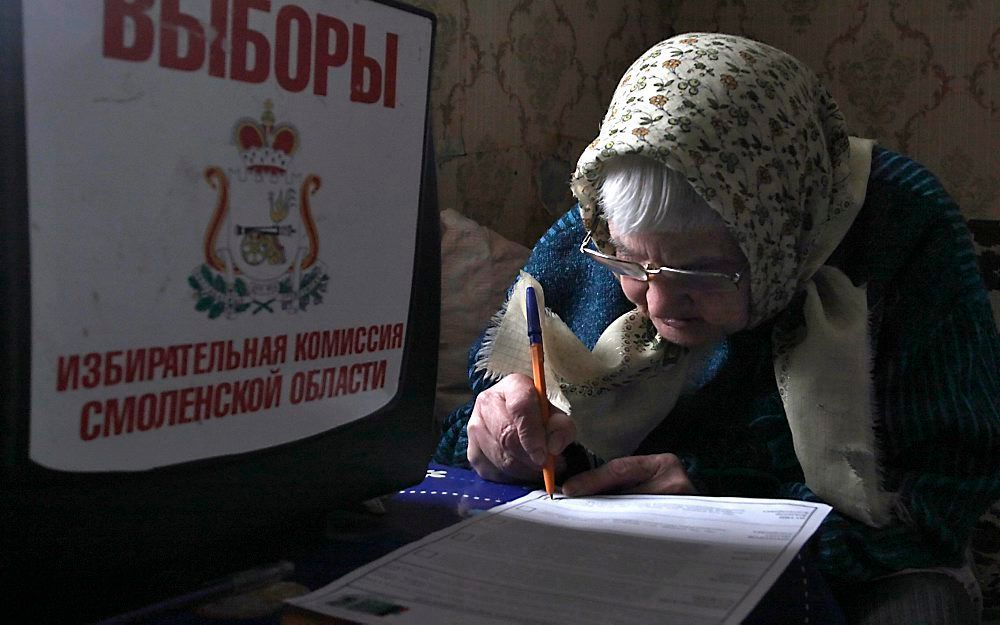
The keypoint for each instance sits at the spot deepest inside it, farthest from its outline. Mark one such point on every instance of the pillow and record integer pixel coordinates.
(477, 266)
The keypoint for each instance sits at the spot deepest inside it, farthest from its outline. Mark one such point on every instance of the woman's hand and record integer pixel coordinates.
(659, 474)
(507, 441)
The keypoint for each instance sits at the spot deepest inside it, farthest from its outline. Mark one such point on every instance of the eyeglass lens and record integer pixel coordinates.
(706, 283)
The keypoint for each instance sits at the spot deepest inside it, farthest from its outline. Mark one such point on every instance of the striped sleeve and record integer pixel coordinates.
(938, 383)
(944, 448)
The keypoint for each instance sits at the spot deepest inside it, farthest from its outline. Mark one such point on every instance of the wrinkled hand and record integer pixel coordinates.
(659, 474)
(507, 441)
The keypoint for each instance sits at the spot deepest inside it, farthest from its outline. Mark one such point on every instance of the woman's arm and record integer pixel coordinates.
(940, 432)
(584, 294)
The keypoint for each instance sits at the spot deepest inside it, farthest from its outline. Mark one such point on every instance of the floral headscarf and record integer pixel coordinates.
(757, 136)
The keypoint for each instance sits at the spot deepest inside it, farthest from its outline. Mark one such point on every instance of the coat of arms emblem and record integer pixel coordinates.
(261, 245)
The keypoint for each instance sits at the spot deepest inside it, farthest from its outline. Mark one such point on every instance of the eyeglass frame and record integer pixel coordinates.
(647, 270)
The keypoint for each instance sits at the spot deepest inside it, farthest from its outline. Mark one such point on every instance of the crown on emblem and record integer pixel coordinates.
(264, 147)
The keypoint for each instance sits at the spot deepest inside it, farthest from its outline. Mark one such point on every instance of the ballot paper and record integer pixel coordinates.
(607, 559)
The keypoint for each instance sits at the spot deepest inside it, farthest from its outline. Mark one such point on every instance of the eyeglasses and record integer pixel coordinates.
(686, 279)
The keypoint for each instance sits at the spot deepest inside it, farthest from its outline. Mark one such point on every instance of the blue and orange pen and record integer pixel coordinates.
(538, 373)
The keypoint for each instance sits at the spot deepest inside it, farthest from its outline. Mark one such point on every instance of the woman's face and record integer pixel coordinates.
(685, 317)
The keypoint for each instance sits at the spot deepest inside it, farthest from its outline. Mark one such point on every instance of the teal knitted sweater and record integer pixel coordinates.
(936, 375)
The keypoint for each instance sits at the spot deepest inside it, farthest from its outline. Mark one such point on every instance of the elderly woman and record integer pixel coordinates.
(749, 302)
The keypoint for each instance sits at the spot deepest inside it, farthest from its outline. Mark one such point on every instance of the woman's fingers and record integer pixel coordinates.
(659, 474)
(512, 414)
(506, 435)
(560, 432)
(495, 452)
(492, 463)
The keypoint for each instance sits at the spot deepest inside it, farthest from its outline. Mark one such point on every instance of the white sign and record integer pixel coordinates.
(223, 202)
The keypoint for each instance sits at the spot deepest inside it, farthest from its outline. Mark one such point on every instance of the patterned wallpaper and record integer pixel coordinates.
(520, 87)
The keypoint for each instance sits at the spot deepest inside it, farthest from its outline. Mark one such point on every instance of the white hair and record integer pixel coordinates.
(638, 194)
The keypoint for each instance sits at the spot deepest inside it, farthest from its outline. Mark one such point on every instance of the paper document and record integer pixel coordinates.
(613, 559)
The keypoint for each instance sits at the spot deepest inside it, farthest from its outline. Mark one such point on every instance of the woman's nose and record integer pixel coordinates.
(665, 299)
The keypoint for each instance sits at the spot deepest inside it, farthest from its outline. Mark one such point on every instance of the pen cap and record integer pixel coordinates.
(534, 325)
